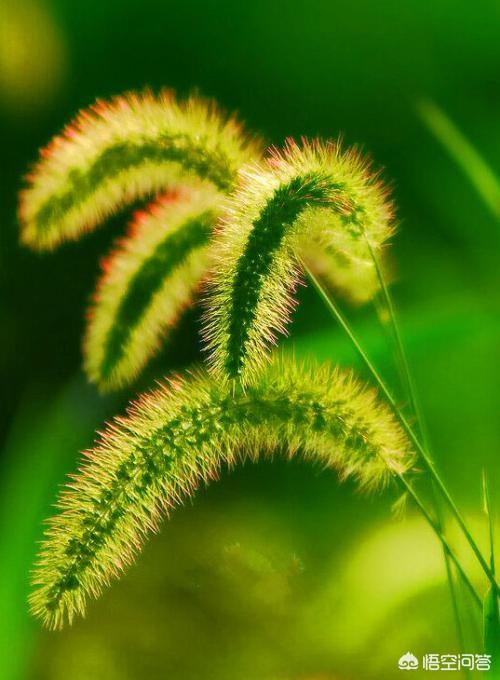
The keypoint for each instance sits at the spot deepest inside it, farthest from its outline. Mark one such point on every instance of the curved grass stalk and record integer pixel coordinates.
(419, 448)
(411, 391)
(437, 528)
(180, 435)
(403, 363)
(147, 281)
(127, 148)
(491, 604)
(302, 195)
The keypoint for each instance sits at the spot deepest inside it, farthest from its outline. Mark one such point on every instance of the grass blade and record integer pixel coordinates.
(462, 151)
(491, 614)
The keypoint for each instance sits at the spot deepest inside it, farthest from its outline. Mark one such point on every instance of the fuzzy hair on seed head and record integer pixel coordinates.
(306, 197)
(147, 281)
(315, 201)
(120, 150)
(180, 435)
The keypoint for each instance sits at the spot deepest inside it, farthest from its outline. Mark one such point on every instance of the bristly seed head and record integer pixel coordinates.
(306, 197)
(124, 149)
(180, 435)
(112, 154)
(147, 281)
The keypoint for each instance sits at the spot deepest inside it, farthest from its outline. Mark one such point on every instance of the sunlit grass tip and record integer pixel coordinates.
(304, 197)
(119, 150)
(147, 281)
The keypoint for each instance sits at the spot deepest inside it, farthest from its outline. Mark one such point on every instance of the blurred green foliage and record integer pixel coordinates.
(277, 572)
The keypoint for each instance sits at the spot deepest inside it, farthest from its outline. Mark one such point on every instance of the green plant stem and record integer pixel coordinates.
(444, 541)
(454, 604)
(491, 616)
(408, 429)
(406, 376)
(489, 515)
(405, 484)
(408, 382)
(450, 581)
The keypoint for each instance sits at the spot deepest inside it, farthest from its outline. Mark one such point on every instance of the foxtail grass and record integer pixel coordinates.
(179, 436)
(254, 228)
(147, 281)
(306, 193)
(115, 152)
(120, 150)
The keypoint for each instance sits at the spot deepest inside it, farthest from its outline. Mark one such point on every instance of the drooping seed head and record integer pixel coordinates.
(180, 435)
(315, 195)
(147, 282)
(120, 150)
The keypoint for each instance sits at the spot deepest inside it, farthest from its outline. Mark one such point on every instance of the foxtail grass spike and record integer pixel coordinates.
(179, 436)
(120, 150)
(147, 281)
(306, 194)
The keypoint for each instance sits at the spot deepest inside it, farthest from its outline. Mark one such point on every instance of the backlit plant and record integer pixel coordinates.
(182, 434)
(311, 193)
(147, 281)
(117, 152)
(249, 225)
(131, 148)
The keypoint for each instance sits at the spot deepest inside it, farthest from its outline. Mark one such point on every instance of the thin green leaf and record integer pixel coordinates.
(491, 614)
(491, 625)
(481, 176)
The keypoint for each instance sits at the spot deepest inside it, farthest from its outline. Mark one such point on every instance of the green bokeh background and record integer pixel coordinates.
(276, 572)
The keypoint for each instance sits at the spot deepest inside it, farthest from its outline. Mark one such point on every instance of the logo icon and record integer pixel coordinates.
(408, 662)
